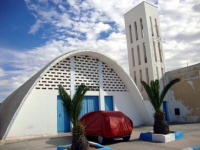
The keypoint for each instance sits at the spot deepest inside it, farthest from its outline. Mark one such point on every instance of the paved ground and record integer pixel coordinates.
(191, 132)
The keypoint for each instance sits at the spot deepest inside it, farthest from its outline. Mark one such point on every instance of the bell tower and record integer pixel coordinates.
(144, 44)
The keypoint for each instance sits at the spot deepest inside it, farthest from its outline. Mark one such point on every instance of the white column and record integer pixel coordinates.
(72, 76)
(101, 94)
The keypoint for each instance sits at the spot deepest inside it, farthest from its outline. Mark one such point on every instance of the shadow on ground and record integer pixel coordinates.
(56, 141)
(113, 141)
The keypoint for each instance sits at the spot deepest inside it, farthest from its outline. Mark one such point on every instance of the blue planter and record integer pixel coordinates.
(196, 147)
(146, 136)
(149, 136)
(178, 135)
(100, 147)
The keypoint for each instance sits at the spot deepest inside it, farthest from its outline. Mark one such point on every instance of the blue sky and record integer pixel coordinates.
(33, 32)
(15, 26)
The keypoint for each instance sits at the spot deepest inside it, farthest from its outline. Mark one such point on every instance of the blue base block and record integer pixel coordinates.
(101, 147)
(146, 136)
(178, 135)
(196, 147)
(62, 147)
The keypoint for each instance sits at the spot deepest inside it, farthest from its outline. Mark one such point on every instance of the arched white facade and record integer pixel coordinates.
(36, 115)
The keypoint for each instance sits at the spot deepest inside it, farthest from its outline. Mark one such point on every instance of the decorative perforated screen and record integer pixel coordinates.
(86, 72)
(58, 74)
(111, 81)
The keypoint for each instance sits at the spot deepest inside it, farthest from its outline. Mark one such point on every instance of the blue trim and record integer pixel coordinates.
(90, 104)
(108, 103)
(166, 111)
(62, 147)
(101, 147)
(146, 136)
(63, 121)
(196, 147)
(179, 135)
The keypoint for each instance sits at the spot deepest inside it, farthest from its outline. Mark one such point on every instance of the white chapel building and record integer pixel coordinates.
(35, 108)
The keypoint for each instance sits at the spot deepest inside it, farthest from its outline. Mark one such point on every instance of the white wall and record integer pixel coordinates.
(38, 116)
(125, 103)
(185, 112)
(150, 110)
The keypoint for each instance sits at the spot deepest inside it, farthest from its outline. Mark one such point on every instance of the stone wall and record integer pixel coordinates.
(185, 95)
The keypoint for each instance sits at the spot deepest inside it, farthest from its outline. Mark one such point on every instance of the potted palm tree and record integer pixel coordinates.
(156, 98)
(73, 107)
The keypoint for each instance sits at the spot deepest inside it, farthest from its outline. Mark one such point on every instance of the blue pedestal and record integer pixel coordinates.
(178, 135)
(148, 136)
(101, 147)
(196, 147)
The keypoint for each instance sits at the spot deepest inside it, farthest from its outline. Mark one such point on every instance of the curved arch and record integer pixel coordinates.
(23, 91)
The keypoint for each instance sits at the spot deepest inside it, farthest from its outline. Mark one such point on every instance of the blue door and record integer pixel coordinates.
(166, 111)
(63, 122)
(108, 103)
(90, 103)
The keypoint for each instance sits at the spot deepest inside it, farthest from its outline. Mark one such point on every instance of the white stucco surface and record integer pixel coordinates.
(38, 114)
(184, 111)
(150, 110)
(144, 11)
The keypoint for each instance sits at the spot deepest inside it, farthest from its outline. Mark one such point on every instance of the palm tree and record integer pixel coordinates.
(153, 91)
(73, 109)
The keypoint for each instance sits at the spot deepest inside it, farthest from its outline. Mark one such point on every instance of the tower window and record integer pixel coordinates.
(160, 52)
(147, 75)
(151, 27)
(135, 78)
(141, 79)
(130, 32)
(177, 111)
(136, 33)
(142, 28)
(145, 54)
(156, 25)
(138, 50)
(133, 58)
(163, 78)
(162, 70)
(157, 73)
(154, 47)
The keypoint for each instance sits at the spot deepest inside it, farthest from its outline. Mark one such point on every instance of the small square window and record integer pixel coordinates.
(177, 111)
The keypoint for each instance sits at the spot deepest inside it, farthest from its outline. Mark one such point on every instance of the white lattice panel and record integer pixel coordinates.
(58, 74)
(86, 72)
(111, 81)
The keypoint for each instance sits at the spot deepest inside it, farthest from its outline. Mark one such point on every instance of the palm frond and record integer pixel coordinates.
(157, 93)
(73, 106)
(66, 100)
(150, 93)
(77, 101)
(167, 87)
(154, 88)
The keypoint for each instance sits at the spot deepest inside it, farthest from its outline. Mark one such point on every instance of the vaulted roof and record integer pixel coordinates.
(12, 104)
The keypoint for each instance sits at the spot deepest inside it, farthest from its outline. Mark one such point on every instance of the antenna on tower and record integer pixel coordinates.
(187, 62)
(159, 39)
(162, 39)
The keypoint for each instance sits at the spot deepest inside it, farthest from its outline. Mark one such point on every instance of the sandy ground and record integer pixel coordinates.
(191, 133)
